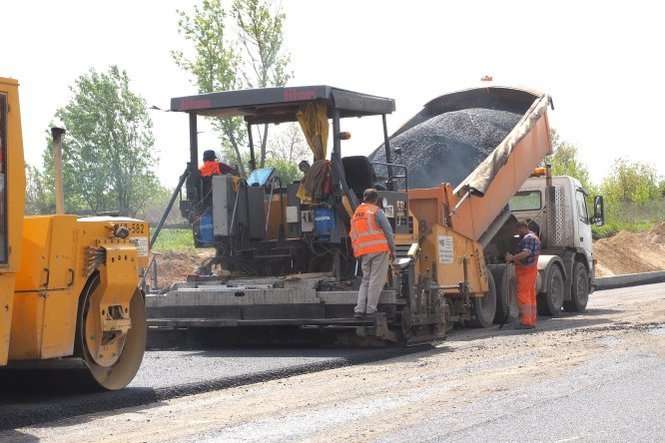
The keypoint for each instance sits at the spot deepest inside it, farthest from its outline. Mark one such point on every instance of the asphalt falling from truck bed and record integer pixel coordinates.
(448, 147)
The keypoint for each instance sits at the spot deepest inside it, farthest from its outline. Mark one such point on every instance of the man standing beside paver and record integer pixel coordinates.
(526, 270)
(374, 245)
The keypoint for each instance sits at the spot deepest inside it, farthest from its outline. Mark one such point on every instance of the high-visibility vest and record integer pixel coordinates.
(210, 168)
(366, 236)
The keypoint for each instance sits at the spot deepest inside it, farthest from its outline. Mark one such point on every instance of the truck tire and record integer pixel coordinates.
(551, 301)
(506, 292)
(579, 293)
(484, 308)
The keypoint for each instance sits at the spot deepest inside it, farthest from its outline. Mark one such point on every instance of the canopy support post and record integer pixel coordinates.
(252, 157)
(193, 180)
(386, 146)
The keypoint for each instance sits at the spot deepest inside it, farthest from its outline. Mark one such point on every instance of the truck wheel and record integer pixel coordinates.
(504, 280)
(551, 302)
(484, 308)
(580, 290)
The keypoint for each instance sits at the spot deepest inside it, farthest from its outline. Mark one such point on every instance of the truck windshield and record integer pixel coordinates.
(526, 201)
(3, 178)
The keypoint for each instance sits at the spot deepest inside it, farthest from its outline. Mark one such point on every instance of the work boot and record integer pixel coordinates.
(521, 326)
(516, 325)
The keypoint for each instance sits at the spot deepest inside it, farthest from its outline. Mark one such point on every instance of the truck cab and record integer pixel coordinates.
(560, 209)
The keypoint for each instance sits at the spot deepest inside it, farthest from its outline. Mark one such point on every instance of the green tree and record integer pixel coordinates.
(288, 172)
(214, 65)
(253, 57)
(39, 198)
(261, 33)
(108, 157)
(631, 182)
(565, 161)
(288, 148)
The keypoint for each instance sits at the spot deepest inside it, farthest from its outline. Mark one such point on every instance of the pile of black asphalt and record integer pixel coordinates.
(449, 146)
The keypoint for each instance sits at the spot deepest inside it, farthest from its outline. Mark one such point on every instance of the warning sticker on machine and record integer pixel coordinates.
(446, 255)
(141, 244)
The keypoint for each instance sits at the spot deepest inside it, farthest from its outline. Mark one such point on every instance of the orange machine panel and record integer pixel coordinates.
(477, 213)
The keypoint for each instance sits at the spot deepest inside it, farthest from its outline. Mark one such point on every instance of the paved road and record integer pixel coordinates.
(168, 374)
(162, 369)
(615, 397)
(596, 376)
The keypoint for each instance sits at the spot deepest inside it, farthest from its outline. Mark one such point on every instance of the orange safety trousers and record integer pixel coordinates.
(526, 293)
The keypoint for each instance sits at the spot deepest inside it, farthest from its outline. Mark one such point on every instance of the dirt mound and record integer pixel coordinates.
(176, 266)
(629, 252)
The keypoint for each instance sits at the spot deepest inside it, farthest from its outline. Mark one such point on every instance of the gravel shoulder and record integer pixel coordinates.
(476, 380)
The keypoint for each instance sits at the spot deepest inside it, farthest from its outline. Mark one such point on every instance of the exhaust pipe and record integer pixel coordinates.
(57, 134)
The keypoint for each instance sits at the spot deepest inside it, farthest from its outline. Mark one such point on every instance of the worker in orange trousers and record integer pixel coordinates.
(526, 270)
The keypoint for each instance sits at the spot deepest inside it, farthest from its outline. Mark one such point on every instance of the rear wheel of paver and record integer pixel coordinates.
(580, 290)
(551, 302)
(484, 308)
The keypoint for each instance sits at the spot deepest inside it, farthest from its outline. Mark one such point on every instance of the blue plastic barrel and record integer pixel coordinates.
(206, 234)
(324, 223)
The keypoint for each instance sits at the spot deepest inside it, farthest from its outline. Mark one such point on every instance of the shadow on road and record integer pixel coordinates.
(17, 437)
(592, 317)
(44, 402)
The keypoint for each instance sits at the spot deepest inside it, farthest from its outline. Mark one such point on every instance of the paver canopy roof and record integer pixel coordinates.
(275, 105)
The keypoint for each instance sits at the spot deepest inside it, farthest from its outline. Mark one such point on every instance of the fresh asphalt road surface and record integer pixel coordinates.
(163, 369)
(166, 374)
(596, 376)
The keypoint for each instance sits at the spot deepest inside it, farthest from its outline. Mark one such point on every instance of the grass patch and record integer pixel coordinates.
(612, 228)
(174, 240)
(631, 217)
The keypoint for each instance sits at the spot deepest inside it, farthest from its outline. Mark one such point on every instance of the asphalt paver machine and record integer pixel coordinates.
(284, 247)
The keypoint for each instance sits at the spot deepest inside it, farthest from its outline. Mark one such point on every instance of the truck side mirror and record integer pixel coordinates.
(598, 211)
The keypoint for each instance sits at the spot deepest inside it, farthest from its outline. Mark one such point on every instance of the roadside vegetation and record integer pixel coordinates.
(109, 155)
(633, 192)
(174, 240)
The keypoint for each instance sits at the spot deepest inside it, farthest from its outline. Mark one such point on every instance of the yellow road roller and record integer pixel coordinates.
(69, 286)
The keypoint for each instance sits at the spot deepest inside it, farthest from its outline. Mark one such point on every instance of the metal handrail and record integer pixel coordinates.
(392, 178)
(152, 263)
(169, 206)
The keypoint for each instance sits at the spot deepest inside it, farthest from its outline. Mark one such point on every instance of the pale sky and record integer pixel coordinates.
(600, 61)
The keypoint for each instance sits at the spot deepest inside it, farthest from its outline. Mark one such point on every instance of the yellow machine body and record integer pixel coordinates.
(12, 189)
(69, 285)
(55, 266)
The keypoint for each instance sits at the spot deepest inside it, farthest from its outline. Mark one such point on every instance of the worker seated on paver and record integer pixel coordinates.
(212, 166)
(526, 270)
(203, 226)
(374, 245)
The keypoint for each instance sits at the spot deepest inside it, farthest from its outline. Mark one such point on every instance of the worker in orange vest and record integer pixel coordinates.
(211, 166)
(374, 245)
(526, 270)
